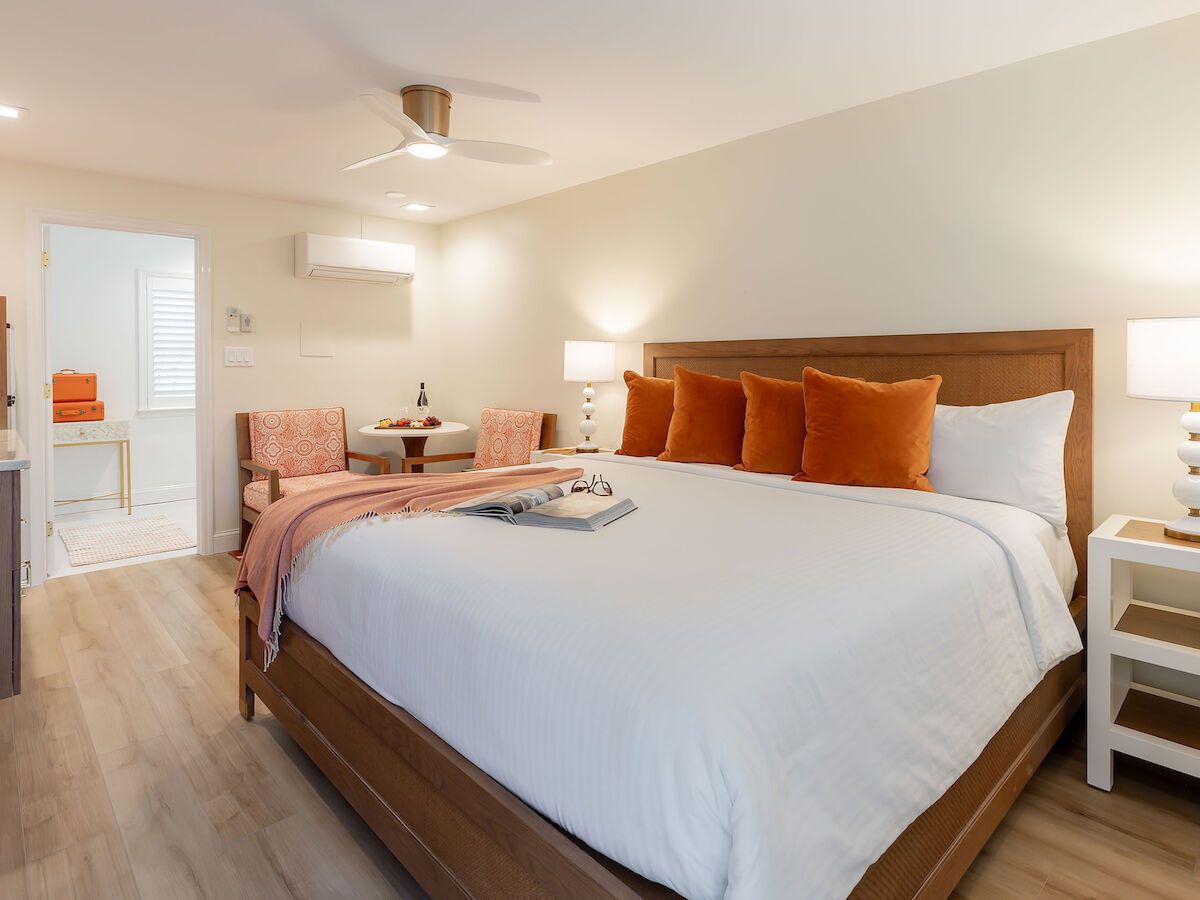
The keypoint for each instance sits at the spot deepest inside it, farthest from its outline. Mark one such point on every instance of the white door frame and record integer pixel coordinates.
(37, 370)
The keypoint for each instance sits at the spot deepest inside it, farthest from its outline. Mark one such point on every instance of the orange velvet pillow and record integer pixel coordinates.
(865, 432)
(775, 430)
(648, 409)
(709, 420)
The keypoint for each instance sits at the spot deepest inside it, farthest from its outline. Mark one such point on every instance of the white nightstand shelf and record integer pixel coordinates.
(1122, 715)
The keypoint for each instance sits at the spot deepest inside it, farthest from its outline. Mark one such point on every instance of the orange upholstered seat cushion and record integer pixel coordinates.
(709, 420)
(257, 493)
(775, 428)
(648, 408)
(868, 433)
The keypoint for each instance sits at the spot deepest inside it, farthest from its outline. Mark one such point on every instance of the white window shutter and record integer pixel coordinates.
(169, 348)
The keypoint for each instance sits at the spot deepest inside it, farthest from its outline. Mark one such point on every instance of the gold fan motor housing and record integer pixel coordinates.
(429, 107)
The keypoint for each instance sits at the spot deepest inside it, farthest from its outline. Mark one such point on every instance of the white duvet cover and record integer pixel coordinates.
(745, 689)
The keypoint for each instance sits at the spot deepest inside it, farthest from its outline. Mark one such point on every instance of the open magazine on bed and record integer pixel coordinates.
(548, 507)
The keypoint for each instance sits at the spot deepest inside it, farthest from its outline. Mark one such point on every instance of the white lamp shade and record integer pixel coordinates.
(1163, 359)
(593, 361)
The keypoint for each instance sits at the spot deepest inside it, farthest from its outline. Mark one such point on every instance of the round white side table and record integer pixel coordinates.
(414, 439)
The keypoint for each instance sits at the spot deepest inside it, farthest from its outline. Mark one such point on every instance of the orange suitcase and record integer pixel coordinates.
(79, 412)
(70, 385)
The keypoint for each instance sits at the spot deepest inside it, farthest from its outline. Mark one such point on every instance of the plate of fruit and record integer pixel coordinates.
(410, 424)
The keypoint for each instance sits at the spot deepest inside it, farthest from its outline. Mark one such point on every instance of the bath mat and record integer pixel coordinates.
(106, 541)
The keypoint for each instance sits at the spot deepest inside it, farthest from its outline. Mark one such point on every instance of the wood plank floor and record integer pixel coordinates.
(126, 771)
(1064, 839)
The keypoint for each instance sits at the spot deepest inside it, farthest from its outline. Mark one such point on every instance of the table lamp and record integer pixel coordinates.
(1164, 364)
(589, 362)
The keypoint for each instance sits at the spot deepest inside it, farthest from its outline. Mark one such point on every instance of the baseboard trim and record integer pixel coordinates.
(224, 541)
(167, 493)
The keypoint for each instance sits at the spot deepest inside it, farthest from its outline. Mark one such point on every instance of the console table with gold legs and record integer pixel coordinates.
(88, 434)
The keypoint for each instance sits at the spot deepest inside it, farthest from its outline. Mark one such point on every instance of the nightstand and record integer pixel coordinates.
(1122, 715)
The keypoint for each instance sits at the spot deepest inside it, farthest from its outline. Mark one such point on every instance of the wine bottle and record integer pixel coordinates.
(422, 402)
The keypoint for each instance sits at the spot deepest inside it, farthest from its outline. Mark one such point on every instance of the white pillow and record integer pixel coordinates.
(1007, 452)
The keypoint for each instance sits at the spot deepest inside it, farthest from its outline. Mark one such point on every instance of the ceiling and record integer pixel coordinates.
(259, 97)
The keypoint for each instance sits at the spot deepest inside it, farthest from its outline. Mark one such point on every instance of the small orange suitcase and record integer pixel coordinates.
(70, 385)
(79, 412)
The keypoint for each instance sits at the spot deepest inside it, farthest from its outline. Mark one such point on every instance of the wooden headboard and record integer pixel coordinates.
(976, 368)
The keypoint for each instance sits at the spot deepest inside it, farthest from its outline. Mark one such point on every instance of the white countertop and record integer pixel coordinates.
(12, 452)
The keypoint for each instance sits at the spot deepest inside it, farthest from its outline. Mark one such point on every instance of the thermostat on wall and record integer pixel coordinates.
(237, 322)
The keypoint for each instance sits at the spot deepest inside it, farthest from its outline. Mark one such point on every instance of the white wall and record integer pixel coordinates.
(93, 327)
(386, 337)
(1061, 192)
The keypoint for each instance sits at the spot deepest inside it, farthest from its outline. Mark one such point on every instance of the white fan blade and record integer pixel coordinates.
(492, 151)
(394, 117)
(371, 160)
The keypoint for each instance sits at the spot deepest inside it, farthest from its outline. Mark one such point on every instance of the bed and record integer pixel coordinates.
(461, 833)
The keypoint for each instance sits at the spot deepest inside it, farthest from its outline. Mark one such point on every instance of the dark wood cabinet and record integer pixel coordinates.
(10, 582)
(13, 459)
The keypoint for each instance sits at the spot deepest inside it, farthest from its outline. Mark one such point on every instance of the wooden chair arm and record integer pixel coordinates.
(272, 477)
(410, 461)
(258, 468)
(385, 464)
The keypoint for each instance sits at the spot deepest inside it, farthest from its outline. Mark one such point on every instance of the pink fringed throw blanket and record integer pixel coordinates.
(290, 530)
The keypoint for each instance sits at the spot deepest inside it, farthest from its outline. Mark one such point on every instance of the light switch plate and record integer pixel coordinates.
(239, 356)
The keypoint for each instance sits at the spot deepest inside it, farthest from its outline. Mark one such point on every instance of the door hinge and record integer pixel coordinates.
(49, 529)
(46, 392)
(45, 259)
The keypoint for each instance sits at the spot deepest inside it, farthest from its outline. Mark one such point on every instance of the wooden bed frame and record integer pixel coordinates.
(461, 834)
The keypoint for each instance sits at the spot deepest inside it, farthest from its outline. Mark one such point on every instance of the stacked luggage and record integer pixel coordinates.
(74, 396)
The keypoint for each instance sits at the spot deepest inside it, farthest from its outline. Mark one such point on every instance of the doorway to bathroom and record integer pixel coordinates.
(123, 434)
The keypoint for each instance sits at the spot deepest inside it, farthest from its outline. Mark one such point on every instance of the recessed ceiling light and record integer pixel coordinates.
(10, 112)
(418, 207)
(395, 195)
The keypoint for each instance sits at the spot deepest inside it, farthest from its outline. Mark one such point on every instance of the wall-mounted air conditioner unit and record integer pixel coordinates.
(353, 259)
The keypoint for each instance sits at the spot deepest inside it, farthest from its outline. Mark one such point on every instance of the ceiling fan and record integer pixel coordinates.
(425, 124)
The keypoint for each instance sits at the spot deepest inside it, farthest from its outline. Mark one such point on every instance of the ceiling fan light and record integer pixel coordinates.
(426, 150)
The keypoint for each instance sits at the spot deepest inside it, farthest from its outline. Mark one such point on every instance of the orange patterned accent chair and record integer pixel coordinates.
(286, 451)
(507, 437)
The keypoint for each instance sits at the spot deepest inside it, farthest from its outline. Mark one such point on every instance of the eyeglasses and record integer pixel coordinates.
(597, 486)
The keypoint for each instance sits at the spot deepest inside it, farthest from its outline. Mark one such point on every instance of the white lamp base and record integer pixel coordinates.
(587, 427)
(1187, 487)
(1186, 528)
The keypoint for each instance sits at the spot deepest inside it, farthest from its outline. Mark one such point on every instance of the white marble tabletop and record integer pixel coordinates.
(12, 452)
(91, 432)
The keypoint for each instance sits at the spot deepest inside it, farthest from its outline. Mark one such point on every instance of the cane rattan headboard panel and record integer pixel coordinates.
(976, 368)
